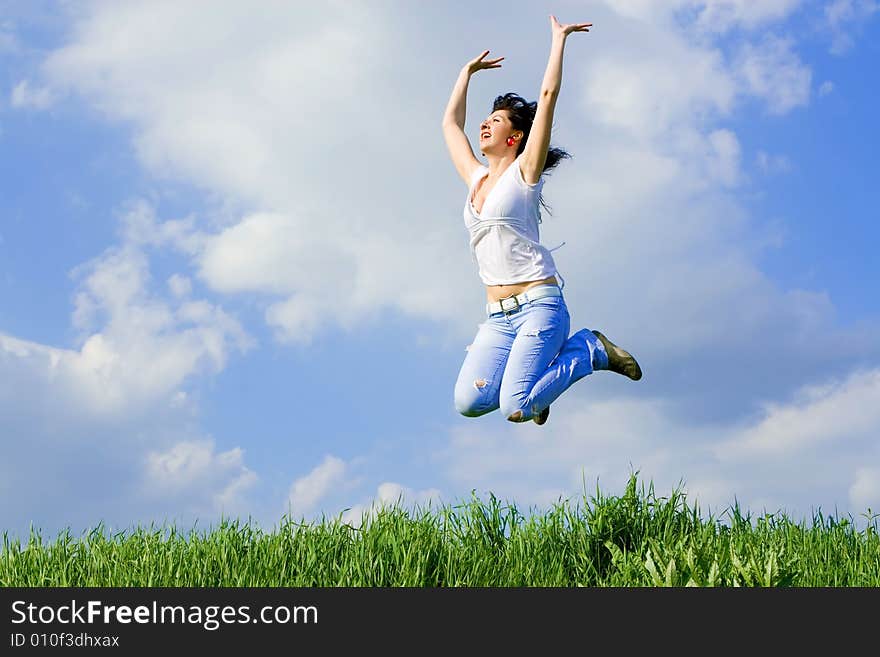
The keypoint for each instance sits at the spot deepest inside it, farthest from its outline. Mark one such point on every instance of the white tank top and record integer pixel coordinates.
(504, 236)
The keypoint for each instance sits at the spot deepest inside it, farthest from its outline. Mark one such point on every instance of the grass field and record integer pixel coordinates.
(634, 539)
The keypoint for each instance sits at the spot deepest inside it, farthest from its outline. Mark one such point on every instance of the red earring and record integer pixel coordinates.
(511, 141)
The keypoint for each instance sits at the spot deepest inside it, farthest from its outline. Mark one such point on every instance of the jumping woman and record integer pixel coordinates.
(522, 357)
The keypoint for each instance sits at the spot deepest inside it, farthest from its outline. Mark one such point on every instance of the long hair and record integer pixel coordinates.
(522, 116)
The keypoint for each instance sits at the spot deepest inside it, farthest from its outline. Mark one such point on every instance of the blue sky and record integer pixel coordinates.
(234, 277)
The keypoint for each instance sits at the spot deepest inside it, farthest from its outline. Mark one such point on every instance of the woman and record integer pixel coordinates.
(522, 358)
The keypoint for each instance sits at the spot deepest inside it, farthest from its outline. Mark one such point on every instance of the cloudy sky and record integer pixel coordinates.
(235, 279)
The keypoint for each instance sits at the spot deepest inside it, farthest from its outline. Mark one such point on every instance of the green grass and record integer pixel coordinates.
(635, 539)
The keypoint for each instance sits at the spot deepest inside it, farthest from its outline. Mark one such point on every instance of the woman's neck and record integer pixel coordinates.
(499, 163)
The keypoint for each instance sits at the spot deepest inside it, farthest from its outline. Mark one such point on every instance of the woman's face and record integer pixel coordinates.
(494, 131)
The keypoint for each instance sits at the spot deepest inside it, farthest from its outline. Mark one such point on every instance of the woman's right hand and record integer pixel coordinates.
(480, 62)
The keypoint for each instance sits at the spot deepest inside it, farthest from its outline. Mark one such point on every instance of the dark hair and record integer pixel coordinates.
(522, 115)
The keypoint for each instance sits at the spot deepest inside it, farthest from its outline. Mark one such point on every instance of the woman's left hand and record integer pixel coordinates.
(563, 31)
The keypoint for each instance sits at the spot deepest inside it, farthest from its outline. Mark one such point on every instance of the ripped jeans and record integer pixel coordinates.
(524, 360)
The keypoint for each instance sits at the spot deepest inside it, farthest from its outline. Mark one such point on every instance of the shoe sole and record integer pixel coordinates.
(620, 360)
(541, 417)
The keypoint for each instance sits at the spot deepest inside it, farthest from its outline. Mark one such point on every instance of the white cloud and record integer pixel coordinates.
(391, 494)
(794, 457)
(335, 206)
(180, 286)
(25, 96)
(865, 490)
(585, 443)
(313, 495)
(721, 15)
(137, 347)
(724, 158)
(827, 414)
(826, 88)
(143, 350)
(114, 408)
(307, 491)
(652, 170)
(709, 15)
(772, 71)
(197, 476)
(657, 87)
(771, 164)
(85, 431)
(843, 18)
(271, 130)
(289, 251)
(139, 227)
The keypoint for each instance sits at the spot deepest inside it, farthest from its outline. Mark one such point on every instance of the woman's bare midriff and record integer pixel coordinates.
(498, 292)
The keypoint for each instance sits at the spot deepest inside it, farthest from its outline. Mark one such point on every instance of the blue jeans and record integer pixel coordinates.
(522, 361)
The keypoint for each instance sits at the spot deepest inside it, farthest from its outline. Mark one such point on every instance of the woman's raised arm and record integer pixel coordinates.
(453, 119)
(534, 154)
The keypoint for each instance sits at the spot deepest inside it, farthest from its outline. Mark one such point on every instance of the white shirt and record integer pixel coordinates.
(504, 234)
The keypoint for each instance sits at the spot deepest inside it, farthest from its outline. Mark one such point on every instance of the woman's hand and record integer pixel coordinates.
(479, 63)
(563, 31)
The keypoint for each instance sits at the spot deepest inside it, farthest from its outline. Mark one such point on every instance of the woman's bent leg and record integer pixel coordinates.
(543, 363)
(542, 329)
(479, 380)
(575, 360)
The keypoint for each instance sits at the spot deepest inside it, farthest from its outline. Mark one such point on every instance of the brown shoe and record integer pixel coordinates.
(541, 417)
(619, 360)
